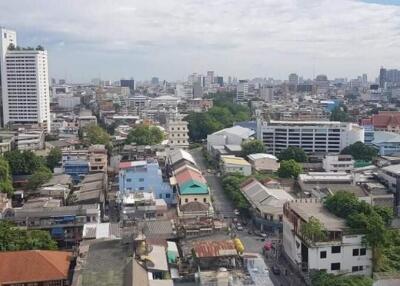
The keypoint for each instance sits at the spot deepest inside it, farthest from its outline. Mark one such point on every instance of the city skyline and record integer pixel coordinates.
(170, 40)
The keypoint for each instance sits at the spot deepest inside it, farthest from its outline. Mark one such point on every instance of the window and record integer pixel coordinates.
(141, 179)
(357, 268)
(195, 199)
(186, 200)
(335, 249)
(141, 188)
(363, 251)
(322, 254)
(160, 196)
(335, 266)
(167, 196)
(129, 180)
(355, 252)
(205, 200)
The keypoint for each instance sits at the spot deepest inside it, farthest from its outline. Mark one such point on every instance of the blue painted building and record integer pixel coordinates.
(77, 169)
(145, 176)
(387, 143)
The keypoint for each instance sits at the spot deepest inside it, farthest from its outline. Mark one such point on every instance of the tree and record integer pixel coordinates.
(201, 124)
(231, 185)
(321, 278)
(39, 177)
(360, 151)
(342, 204)
(13, 238)
(224, 113)
(252, 147)
(289, 169)
(96, 135)
(339, 113)
(23, 163)
(145, 135)
(5, 177)
(54, 158)
(313, 230)
(293, 153)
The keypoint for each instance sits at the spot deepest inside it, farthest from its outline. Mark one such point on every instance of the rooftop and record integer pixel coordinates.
(33, 266)
(308, 208)
(234, 160)
(393, 169)
(258, 156)
(214, 248)
(385, 137)
(236, 130)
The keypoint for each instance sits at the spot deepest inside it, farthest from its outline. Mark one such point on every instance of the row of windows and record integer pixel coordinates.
(337, 249)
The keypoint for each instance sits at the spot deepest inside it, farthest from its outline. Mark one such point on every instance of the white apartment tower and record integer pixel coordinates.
(7, 37)
(25, 84)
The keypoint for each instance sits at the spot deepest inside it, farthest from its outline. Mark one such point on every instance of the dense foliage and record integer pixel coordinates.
(360, 151)
(96, 135)
(145, 135)
(231, 185)
(39, 177)
(223, 114)
(313, 230)
(339, 113)
(12, 238)
(23, 162)
(289, 169)
(54, 158)
(373, 221)
(252, 147)
(5, 177)
(293, 153)
(321, 278)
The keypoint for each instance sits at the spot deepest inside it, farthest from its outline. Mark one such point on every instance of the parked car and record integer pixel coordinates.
(275, 269)
(239, 227)
(236, 212)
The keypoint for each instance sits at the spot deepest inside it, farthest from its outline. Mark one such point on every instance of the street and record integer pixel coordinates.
(252, 243)
(222, 205)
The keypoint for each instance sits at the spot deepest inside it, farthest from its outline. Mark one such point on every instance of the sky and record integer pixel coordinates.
(114, 39)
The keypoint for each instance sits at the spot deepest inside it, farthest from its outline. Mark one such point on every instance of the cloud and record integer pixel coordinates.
(172, 38)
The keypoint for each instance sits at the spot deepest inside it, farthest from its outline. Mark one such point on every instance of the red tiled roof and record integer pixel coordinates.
(189, 174)
(33, 266)
(383, 119)
(214, 248)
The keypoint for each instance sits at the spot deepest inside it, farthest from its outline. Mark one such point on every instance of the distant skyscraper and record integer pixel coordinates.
(293, 79)
(25, 85)
(219, 80)
(128, 83)
(197, 90)
(61, 81)
(382, 77)
(242, 90)
(209, 78)
(155, 81)
(364, 79)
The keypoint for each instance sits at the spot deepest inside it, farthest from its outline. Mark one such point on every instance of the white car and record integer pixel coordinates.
(239, 227)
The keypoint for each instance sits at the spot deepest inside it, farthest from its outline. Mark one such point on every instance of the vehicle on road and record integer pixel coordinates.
(239, 227)
(275, 269)
(236, 211)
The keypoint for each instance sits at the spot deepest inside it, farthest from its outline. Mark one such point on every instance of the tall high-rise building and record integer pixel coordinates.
(155, 81)
(25, 84)
(219, 80)
(7, 37)
(128, 83)
(382, 77)
(242, 90)
(209, 78)
(293, 79)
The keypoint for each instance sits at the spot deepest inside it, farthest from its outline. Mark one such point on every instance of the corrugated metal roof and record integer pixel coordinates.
(214, 248)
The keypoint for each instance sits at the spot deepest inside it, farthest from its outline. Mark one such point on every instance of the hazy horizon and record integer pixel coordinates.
(171, 39)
